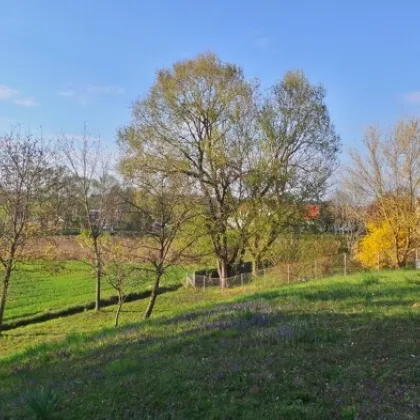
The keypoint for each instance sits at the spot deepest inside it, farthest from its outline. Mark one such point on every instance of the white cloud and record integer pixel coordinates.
(14, 96)
(412, 98)
(105, 90)
(84, 95)
(26, 102)
(7, 92)
(263, 42)
(68, 93)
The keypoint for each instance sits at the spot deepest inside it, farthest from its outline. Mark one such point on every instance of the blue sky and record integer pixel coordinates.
(69, 62)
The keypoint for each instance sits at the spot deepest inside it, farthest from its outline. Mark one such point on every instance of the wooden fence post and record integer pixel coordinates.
(345, 263)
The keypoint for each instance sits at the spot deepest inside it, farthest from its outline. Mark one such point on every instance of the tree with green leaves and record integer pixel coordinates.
(240, 150)
(270, 219)
(198, 121)
(297, 152)
(121, 271)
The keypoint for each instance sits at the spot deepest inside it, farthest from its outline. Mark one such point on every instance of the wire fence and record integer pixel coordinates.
(283, 273)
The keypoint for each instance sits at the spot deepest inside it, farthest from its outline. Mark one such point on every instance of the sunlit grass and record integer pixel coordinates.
(35, 289)
(340, 348)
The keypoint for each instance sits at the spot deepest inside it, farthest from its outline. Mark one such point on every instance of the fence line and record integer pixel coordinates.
(288, 272)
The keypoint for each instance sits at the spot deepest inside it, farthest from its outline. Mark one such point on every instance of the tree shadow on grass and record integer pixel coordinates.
(344, 293)
(27, 315)
(247, 360)
(77, 309)
(341, 292)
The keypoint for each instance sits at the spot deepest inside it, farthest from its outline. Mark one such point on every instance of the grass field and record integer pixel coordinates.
(35, 289)
(342, 348)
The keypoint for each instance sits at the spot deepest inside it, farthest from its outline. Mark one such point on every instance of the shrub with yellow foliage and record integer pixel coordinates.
(381, 246)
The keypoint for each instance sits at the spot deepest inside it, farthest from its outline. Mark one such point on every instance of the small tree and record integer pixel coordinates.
(120, 272)
(166, 203)
(25, 185)
(90, 171)
(349, 217)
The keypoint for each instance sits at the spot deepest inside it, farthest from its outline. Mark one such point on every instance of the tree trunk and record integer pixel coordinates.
(117, 313)
(397, 250)
(222, 268)
(98, 273)
(241, 255)
(401, 263)
(256, 264)
(153, 297)
(98, 289)
(3, 298)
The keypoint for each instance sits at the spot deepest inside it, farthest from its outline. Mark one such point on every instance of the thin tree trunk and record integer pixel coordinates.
(98, 289)
(3, 298)
(256, 264)
(117, 314)
(397, 250)
(153, 297)
(98, 273)
(254, 267)
(241, 255)
(223, 271)
(6, 279)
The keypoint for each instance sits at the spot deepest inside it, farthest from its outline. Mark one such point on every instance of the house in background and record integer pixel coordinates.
(312, 212)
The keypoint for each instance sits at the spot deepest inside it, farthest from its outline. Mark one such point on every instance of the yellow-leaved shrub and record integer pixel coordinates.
(377, 247)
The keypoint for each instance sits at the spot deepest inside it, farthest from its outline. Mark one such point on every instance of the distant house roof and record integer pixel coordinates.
(312, 211)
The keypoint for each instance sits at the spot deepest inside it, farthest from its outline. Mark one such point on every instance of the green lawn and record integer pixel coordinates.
(342, 348)
(35, 289)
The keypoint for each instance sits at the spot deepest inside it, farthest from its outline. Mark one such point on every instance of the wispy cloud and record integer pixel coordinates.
(26, 102)
(84, 95)
(67, 92)
(7, 92)
(13, 95)
(412, 98)
(263, 42)
(105, 90)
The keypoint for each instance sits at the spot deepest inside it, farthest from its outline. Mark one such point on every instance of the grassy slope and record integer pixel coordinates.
(342, 348)
(34, 290)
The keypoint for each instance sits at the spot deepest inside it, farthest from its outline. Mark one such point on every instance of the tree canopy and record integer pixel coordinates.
(204, 120)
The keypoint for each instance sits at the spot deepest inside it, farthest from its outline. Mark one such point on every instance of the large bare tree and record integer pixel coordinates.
(26, 180)
(387, 178)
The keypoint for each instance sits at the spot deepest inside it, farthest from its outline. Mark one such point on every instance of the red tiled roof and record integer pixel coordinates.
(313, 211)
